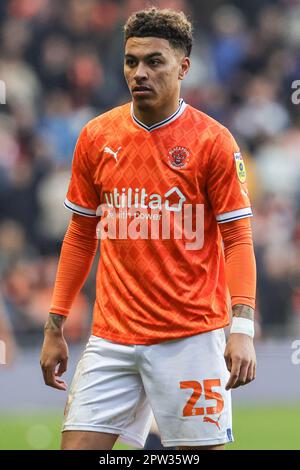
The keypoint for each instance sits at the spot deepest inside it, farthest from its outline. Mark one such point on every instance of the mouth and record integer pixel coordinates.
(141, 90)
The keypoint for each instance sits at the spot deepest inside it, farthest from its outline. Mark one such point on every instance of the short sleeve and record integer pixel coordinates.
(82, 197)
(226, 180)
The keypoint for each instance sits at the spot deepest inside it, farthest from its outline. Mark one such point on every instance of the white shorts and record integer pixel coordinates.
(116, 387)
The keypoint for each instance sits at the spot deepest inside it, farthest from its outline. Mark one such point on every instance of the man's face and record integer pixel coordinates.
(153, 70)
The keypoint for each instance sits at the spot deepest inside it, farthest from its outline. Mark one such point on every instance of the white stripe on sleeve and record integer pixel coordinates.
(234, 215)
(79, 210)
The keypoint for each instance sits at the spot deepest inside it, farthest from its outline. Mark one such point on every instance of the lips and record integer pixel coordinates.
(141, 89)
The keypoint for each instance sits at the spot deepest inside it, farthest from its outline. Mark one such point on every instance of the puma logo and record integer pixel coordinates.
(111, 152)
(206, 419)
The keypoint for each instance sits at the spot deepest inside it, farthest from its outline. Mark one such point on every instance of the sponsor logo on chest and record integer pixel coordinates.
(172, 200)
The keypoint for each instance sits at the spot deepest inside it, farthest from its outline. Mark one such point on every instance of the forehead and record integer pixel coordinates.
(140, 47)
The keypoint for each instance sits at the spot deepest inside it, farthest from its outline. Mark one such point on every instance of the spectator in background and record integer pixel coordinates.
(61, 62)
(8, 346)
(26, 289)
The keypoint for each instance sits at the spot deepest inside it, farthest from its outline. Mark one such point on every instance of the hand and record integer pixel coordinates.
(240, 360)
(54, 353)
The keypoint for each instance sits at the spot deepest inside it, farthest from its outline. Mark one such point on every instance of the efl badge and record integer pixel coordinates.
(179, 157)
(240, 167)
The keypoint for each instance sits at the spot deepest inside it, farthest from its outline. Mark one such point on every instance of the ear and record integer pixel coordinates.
(184, 68)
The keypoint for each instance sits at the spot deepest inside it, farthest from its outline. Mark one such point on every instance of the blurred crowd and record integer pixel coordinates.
(62, 63)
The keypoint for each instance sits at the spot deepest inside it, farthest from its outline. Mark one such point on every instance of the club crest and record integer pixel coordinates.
(179, 157)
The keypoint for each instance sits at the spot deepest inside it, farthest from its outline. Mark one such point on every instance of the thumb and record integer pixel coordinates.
(61, 368)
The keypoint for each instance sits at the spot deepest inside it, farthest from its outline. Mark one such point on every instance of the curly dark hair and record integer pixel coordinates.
(167, 24)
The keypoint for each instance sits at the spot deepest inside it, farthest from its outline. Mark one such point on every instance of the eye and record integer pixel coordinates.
(130, 62)
(154, 62)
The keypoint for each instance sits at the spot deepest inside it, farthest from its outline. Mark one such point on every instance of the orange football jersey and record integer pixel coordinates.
(157, 281)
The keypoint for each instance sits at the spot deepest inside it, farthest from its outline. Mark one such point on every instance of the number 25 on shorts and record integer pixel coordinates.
(190, 409)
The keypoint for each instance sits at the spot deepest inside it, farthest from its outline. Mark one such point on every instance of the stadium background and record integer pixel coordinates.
(62, 65)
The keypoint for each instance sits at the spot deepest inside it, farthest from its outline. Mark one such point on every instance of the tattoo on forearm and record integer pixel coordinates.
(243, 311)
(54, 322)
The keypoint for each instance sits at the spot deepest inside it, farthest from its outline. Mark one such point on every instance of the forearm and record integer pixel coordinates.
(240, 266)
(54, 323)
(77, 254)
(243, 311)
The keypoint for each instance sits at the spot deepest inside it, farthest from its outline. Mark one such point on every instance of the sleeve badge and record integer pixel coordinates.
(240, 167)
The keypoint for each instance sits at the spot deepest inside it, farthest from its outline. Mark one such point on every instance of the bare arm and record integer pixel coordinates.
(54, 324)
(54, 352)
(241, 278)
(77, 255)
(240, 354)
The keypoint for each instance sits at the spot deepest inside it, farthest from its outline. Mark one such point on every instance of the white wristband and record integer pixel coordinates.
(242, 325)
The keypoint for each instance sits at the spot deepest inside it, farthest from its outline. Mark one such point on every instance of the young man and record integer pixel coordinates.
(161, 304)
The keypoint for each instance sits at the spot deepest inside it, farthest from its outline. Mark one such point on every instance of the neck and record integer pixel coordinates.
(150, 116)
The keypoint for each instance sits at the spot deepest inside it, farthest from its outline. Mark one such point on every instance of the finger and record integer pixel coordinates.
(251, 373)
(58, 384)
(49, 376)
(50, 379)
(243, 375)
(44, 370)
(234, 375)
(62, 368)
(254, 371)
(63, 384)
(228, 362)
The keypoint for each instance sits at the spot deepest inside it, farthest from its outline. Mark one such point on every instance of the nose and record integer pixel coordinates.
(140, 72)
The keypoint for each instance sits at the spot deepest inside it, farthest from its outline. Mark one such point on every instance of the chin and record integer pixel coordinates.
(144, 102)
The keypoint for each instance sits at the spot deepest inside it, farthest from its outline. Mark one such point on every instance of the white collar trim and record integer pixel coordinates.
(181, 108)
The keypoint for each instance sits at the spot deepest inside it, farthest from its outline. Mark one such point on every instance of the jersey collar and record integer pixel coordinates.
(173, 117)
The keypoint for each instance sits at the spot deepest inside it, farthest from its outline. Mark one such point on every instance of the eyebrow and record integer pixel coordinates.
(148, 56)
